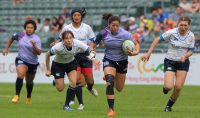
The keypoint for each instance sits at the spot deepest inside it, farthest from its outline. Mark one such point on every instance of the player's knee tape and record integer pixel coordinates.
(110, 88)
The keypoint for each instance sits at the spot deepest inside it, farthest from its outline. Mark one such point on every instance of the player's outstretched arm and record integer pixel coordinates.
(5, 51)
(48, 72)
(148, 54)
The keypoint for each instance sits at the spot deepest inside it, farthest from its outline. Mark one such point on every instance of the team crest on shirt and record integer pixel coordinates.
(83, 32)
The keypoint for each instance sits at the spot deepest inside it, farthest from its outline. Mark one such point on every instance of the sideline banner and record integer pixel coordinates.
(150, 73)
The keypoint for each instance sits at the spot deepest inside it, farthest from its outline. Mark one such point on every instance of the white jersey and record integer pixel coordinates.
(178, 45)
(63, 55)
(83, 33)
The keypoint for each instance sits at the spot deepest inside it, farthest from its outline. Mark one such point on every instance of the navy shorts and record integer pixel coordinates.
(32, 68)
(58, 70)
(83, 61)
(121, 66)
(170, 65)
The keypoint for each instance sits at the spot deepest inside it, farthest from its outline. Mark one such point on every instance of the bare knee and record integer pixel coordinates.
(168, 87)
(21, 75)
(119, 89)
(73, 84)
(177, 88)
(60, 88)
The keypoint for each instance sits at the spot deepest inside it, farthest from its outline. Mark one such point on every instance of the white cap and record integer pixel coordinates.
(123, 18)
(132, 19)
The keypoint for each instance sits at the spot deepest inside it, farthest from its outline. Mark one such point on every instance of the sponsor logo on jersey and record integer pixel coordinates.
(175, 39)
(83, 32)
(81, 39)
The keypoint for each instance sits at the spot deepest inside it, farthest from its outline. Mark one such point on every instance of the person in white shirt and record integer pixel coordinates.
(184, 4)
(65, 62)
(176, 63)
(82, 32)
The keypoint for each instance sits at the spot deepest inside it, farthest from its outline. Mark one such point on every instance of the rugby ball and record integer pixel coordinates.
(128, 45)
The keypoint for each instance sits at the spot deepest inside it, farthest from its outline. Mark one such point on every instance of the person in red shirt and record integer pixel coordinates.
(170, 26)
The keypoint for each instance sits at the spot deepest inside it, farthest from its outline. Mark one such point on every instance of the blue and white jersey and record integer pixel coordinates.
(63, 55)
(178, 45)
(83, 33)
(26, 50)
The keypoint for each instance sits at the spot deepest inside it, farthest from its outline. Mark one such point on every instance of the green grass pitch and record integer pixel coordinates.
(135, 101)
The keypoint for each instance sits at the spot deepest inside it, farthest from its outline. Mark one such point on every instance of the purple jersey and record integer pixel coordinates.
(26, 50)
(113, 43)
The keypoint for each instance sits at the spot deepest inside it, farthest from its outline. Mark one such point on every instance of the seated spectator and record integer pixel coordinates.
(138, 37)
(39, 25)
(46, 27)
(28, 18)
(65, 15)
(54, 25)
(161, 17)
(146, 23)
(194, 7)
(15, 2)
(2, 30)
(124, 21)
(62, 24)
(170, 26)
(184, 4)
(197, 41)
(154, 15)
(160, 28)
(175, 16)
(132, 25)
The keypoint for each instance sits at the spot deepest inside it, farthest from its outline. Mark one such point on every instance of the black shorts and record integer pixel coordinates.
(83, 61)
(58, 70)
(170, 65)
(32, 68)
(121, 66)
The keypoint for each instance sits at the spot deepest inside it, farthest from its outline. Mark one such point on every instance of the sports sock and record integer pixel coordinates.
(111, 103)
(70, 94)
(29, 88)
(18, 85)
(170, 102)
(78, 92)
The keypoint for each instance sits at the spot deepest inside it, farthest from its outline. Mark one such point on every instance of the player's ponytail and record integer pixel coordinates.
(83, 12)
(110, 18)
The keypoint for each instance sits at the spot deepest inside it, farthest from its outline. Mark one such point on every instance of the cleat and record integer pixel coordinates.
(67, 108)
(168, 109)
(111, 113)
(93, 91)
(165, 91)
(16, 99)
(54, 83)
(104, 78)
(81, 107)
(71, 102)
(28, 100)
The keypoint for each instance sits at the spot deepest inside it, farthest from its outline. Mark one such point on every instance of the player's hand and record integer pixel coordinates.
(5, 52)
(32, 41)
(146, 57)
(183, 58)
(52, 44)
(48, 73)
(133, 52)
(96, 62)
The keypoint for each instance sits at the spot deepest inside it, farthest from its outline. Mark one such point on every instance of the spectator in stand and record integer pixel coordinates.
(197, 41)
(145, 27)
(39, 25)
(28, 18)
(61, 24)
(65, 15)
(184, 4)
(162, 16)
(194, 7)
(124, 21)
(175, 16)
(170, 26)
(15, 2)
(154, 15)
(161, 28)
(46, 28)
(132, 25)
(54, 25)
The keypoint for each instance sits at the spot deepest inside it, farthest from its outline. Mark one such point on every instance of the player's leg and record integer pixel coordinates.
(29, 87)
(78, 91)
(82, 79)
(110, 73)
(119, 81)
(180, 79)
(72, 75)
(21, 72)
